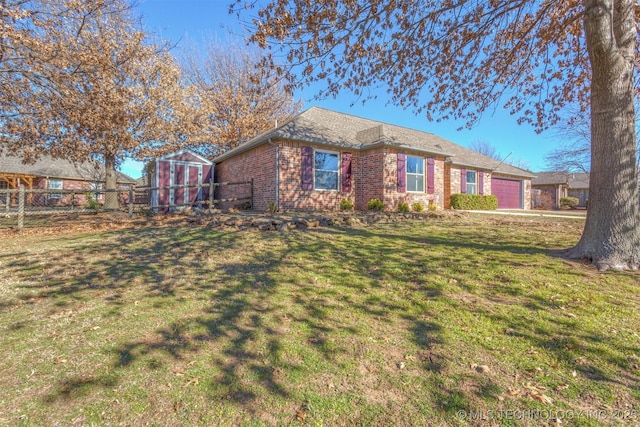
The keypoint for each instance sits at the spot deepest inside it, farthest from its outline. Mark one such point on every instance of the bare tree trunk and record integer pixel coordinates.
(111, 198)
(611, 238)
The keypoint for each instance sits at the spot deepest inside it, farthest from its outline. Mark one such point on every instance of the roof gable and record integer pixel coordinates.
(186, 156)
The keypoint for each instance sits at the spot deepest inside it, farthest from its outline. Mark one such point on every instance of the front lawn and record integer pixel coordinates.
(455, 321)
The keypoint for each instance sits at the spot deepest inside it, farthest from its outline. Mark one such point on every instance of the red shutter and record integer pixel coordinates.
(480, 183)
(463, 181)
(431, 185)
(307, 168)
(402, 173)
(346, 172)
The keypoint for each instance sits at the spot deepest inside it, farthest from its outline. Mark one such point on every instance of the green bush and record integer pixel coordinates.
(433, 207)
(569, 202)
(92, 203)
(375, 205)
(272, 207)
(473, 202)
(417, 207)
(403, 207)
(346, 205)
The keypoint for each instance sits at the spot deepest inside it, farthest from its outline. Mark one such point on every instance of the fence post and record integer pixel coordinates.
(211, 194)
(130, 202)
(21, 208)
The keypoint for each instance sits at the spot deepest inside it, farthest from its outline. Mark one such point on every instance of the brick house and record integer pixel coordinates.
(320, 157)
(550, 187)
(52, 174)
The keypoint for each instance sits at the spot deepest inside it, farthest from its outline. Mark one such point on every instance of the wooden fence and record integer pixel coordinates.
(21, 203)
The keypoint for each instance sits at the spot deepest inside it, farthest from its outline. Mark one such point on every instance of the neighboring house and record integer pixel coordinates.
(320, 157)
(182, 168)
(550, 187)
(48, 173)
(579, 188)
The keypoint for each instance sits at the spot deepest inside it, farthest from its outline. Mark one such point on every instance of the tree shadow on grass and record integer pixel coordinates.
(302, 302)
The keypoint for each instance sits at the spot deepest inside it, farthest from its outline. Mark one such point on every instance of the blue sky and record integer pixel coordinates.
(178, 20)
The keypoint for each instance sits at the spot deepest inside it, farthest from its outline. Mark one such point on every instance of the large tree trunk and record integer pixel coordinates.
(111, 197)
(611, 237)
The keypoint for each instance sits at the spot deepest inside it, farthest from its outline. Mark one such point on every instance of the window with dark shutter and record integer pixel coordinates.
(346, 172)
(463, 181)
(402, 173)
(307, 168)
(431, 185)
(480, 182)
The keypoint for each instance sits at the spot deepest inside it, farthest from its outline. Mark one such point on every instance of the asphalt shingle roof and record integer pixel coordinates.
(550, 178)
(322, 126)
(572, 180)
(47, 166)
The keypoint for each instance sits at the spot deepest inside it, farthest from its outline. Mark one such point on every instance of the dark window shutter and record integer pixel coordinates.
(480, 183)
(307, 168)
(346, 172)
(463, 181)
(402, 173)
(431, 185)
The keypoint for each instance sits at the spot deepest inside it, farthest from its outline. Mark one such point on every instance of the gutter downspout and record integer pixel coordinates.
(277, 173)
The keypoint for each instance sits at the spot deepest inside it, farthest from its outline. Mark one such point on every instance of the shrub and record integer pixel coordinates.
(569, 202)
(433, 207)
(417, 207)
(272, 207)
(542, 200)
(403, 207)
(92, 203)
(346, 204)
(473, 202)
(375, 205)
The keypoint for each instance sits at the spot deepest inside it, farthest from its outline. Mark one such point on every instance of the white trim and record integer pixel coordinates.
(55, 195)
(406, 174)
(168, 157)
(337, 153)
(474, 183)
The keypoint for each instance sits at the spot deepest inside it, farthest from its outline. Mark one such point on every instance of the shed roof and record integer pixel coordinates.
(327, 127)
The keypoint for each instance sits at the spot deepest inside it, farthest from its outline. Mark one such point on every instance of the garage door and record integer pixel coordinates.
(508, 192)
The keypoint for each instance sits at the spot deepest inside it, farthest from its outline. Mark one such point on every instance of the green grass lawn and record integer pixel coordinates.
(455, 321)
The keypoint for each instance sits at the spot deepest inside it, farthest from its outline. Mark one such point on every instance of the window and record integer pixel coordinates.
(415, 174)
(55, 184)
(472, 187)
(97, 186)
(326, 166)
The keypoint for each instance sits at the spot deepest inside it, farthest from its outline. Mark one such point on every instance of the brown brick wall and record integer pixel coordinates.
(293, 197)
(257, 164)
(391, 195)
(374, 175)
(370, 181)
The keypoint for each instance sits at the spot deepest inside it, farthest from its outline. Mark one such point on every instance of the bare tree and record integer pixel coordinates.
(85, 82)
(456, 58)
(573, 153)
(487, 149)
(483, 147)
(237, 98)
